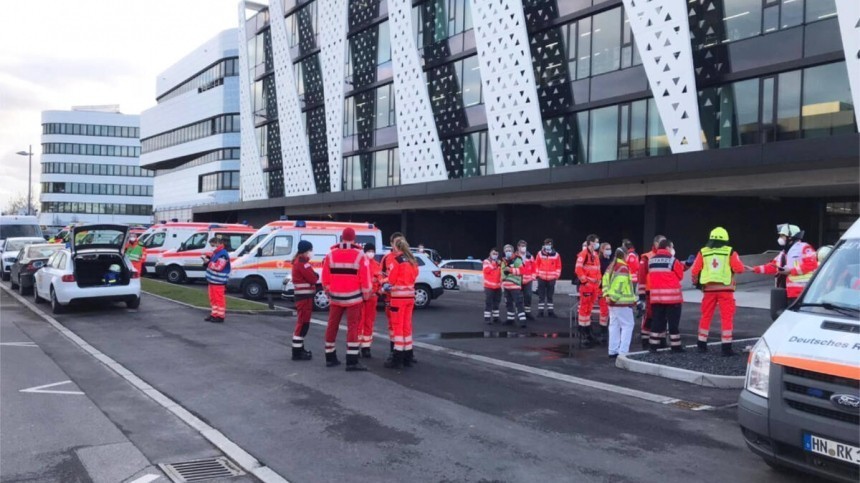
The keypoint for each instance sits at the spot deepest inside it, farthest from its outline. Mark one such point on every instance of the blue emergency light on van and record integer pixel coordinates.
(283, 218)
(212, 227)
(301, 224)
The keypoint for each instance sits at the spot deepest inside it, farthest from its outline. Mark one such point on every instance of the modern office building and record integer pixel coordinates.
(191, 137)
(91, 168)
(469, 123)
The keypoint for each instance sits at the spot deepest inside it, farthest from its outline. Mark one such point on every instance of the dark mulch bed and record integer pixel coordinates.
(710, 363)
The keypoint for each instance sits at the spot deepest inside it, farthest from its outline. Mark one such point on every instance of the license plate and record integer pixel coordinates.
(833, 449)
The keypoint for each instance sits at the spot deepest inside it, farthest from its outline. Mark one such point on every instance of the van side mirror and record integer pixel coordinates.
(778, 302)
(260, 252)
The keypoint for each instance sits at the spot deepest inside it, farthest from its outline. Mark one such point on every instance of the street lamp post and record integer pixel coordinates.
(29, 154)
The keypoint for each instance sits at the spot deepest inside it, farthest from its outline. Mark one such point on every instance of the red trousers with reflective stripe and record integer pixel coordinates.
(217, 301)
(368, 317)
(588, 295)
(604, 308)
(401, 323)
(353, 324)
(726, 302)
(304, 309)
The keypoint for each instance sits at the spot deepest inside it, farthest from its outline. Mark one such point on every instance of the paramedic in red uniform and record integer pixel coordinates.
(644, 293)
(346, 280)
(401, 289)
(528, 273)
(492, 287)
(386, 265)
(794, 265)
(304, 288)
(548, 271)
(588, 272)
(665, 273)
(368, 311)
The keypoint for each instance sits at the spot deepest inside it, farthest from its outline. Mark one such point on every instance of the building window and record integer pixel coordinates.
(90, 130)
(96, 169)
(75, 207)
(372, 170)
(226, 123)
(827, 107)
(218, 181)
(89, 150)
(96, 189)
(206, 79)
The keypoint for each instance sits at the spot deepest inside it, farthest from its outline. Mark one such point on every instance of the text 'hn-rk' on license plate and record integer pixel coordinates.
(833, 449)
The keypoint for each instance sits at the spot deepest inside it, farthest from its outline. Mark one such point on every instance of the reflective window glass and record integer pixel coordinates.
(604, 134)
(827, 107)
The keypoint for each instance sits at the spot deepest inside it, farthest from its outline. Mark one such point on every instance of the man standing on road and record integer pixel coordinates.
(492, 287)
(512, 282)
(304, 288)
(528, 273)
(795, 264)
(136, 254)
(217, 273)
(643, 289)
(346, 280)
(714, 272)
(632, 261)
(548, 265)
(368, 310)
(665, 273)
(588, 272)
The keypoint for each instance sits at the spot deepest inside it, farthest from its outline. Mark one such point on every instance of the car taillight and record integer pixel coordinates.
(68, 278)
(437, 273)
(135, 274)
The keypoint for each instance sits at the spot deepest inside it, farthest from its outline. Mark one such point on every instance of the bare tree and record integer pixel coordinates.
(18, 206)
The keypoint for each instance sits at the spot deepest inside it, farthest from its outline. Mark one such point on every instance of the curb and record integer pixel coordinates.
(685, 375)
(287, 312)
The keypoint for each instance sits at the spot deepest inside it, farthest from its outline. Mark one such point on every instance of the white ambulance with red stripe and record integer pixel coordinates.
(168, 235)
(185, 263)
(261, 268)
(800, 407)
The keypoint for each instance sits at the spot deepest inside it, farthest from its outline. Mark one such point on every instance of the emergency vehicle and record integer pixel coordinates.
(168, 236)
(800, 407)
(462, 272)
(186, 263)
(261, 268)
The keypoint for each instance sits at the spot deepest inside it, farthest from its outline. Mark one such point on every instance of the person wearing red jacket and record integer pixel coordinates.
(304, 288)
(368, 310)
(665, 273)
(714, 272)
(492, 287)
(644, 296)
(386, 265)
(548, 271)
(588, 272)
(793, 267)
(528, 273)
(346, 281)
(632, 261)
(401, 289)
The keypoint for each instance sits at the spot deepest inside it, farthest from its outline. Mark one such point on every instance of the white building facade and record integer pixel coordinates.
(191, 137)
(90, 168)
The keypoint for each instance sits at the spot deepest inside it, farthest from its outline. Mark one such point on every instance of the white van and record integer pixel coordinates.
(185, 263)
(12, 226)
(263, 267)
(800, 407)
(169, 236)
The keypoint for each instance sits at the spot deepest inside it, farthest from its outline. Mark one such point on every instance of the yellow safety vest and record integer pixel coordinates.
(716, 266)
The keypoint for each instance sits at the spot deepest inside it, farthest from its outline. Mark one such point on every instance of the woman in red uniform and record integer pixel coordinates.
(401, 291)
(304, 287)
(368, 310)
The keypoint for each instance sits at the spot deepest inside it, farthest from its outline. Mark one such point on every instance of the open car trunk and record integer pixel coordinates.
(90, 268)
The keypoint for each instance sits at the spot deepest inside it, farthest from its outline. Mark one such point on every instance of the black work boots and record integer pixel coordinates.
(331, 359)
(300, 354)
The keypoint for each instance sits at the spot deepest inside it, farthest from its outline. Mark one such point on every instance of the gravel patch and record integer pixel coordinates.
(710, 363)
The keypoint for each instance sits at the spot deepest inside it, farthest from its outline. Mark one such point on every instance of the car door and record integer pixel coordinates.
(43, 275)
(476, 273)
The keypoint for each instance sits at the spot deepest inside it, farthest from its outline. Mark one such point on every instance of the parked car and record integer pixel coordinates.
(428, 285)
(30, 259)
(455, 272)
(10, 250)
(13, 226)
(78, 273)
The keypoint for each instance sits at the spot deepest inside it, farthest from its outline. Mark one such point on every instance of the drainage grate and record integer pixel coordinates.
(201, 470)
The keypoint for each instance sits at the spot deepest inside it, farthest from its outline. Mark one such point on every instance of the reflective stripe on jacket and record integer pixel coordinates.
(345, 275)
(402, 278)
(304, 279)
(548, 265)
(588, 270)
(800, 259)
(218, 268)
(735, 265)
(665, 273)
(617, 286)
(513, 280)
(492, 274)
(529, 269)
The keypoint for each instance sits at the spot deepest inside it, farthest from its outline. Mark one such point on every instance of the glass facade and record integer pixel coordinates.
(97, 189)
(89, 169)
(91, 149)
(225, 123)
(219, 155)
(374, 170)
(90, 130)
(206, 79)
(79, 207)
(220, 180)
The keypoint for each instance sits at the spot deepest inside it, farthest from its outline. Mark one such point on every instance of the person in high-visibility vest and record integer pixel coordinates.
(714, 272)
(619, 293)
(793, 267)
(136, 253)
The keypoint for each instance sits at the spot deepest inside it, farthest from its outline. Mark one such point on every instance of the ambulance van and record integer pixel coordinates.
(168, 236)
(263, 267)
(800, 407)
(185, 263)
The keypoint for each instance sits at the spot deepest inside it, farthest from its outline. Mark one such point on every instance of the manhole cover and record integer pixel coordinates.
(201, 470)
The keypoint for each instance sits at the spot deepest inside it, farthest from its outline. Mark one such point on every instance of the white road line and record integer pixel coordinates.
(146, 478)
(647, 396)
(43, 389)
(19, 344)
(228, 447)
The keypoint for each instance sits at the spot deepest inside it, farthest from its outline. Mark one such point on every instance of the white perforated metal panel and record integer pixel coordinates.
(295, 154)
(252, 184)
(510, 94)
(418, 139)
(848, 12)
(333, 16)
(662, 35)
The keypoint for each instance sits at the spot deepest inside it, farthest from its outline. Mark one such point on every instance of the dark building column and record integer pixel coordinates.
(404, 222)
(504, 213)
(655, 220)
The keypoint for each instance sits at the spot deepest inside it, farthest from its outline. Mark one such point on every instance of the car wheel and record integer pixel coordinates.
(254, 288)
(13, 284)
(36, 299)
(321, 300)
(56, 306)
(422, 296)
(449, 283)
(175, 274)
(133, 302)
(5, 277)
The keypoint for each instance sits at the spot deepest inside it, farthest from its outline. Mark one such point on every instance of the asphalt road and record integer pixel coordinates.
(450, 418)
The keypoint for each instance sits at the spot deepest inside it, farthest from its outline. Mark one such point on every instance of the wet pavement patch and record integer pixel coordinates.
(711, 362)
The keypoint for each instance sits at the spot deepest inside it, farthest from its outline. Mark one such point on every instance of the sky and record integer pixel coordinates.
(55, 54)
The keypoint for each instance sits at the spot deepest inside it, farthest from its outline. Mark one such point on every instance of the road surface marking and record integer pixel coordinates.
(44, 389)
(19, 344)
(146, 478)
(241, 457)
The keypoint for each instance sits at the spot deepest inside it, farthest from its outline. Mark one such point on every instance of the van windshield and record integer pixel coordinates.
(836, 286)
(15, 231)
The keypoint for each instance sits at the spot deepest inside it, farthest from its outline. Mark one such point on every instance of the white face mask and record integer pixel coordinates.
(522, 249)
(370, 254)
(595, 245)
(309, 254)
(547, 248)
(607, 253)
(780, 241)
(509, 254)
(494, 256)
(672, 251)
